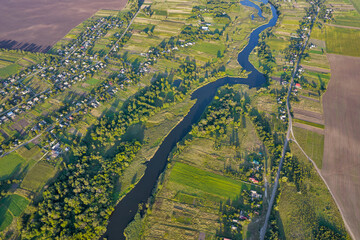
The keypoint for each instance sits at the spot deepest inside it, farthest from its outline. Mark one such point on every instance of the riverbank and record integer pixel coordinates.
(127, 207)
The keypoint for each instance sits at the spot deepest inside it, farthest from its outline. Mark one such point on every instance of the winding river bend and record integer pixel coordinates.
(126, 209)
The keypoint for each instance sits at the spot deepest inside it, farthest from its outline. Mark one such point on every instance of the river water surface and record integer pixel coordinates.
(126, 209)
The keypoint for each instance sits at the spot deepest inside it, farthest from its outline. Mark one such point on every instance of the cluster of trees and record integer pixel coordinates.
(219, 9)
(216, 8)
(229, 211)
(294, 171)
(226, 108)
(233, 212)
(145, 103)
(80, 202)
(250, 169)
(148, 11)
(272, 137)
(227, 113)
(193, 33)
(267, 60)
(325, 232)
(273, 232)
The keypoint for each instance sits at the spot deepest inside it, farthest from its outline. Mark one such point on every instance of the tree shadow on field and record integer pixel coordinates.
(281, 226)
(30, 47)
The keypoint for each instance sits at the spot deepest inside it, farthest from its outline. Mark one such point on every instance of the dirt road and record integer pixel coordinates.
(341, 162)
(35, 25)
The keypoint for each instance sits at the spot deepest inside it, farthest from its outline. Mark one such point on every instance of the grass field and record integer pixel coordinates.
(312, 143)
(37, 176)
(10, 164)
(30, 152)
(16, 204)
(199, 181)
(189, 203)
(5, 218)
(350, 18)
(342, 41)
(11, 62)
(9, 70)
(309, 104)
(299, 212)
(356, 4)
(309, 123)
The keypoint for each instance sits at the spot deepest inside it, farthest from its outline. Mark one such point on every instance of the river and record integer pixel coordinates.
(126, 209)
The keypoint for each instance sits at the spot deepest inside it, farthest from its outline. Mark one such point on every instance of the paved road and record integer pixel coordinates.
(288, 138)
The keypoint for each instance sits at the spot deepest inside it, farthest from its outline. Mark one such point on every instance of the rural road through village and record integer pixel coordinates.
(288, 135)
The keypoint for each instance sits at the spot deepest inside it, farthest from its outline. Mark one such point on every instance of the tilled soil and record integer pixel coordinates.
(341, 163)
(308, 116)
(38, 24)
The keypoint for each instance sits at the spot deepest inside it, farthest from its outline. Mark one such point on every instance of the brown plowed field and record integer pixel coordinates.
(37, 24)
(316, 69)
(308, 116)
(341, 163)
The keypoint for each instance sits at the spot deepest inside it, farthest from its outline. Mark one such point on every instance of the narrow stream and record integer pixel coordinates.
(126, 209)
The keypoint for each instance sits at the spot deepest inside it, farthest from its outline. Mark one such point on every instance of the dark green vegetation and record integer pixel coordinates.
(118, 106)
(309, 123)
(204, 176)
(304, 207)
(86, 131)
(84, 189)
(10, 164)
(11, 205)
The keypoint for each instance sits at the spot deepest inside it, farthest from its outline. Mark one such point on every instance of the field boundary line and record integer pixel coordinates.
(327, 186)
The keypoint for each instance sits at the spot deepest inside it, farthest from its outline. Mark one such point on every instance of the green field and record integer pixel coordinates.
(30, 151)
(5, 218)
(37, 176)
(16, 204)
(209, 48)
(356, 4)
(300, 212)
(9, 70)
(343, 41)
(10, 164)
(12, 61)
(350, 18)
(92, 81)
(309, 123)
(312, 143)
(201, 181)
